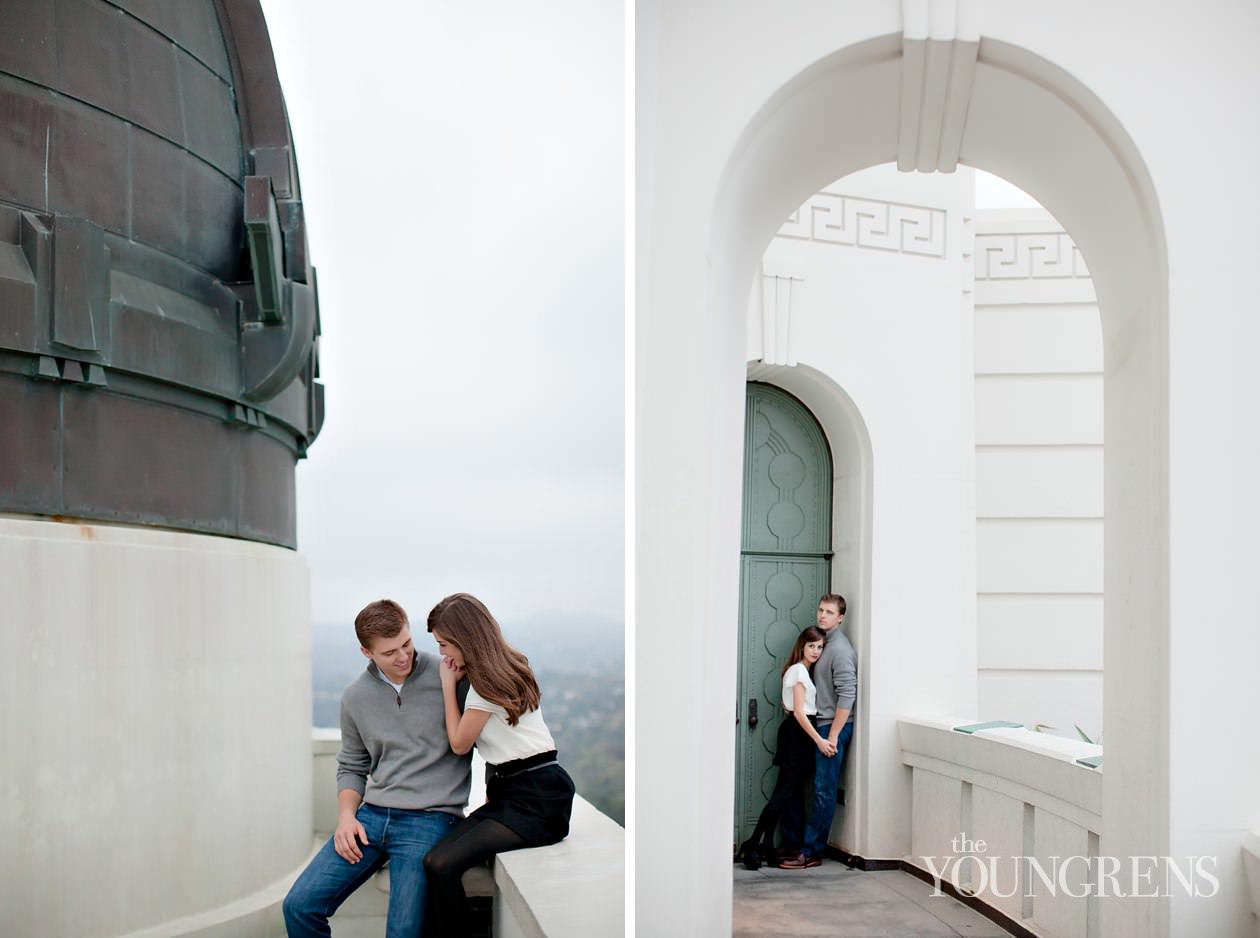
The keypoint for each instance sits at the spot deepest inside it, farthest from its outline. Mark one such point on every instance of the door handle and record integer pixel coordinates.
(752, 712)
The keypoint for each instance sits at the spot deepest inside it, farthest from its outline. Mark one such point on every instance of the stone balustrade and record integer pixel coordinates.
(1009, 816)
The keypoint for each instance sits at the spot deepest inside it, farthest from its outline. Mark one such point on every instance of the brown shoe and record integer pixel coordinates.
(801, 861)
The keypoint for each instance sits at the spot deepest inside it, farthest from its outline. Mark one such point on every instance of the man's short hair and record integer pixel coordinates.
(835, 599)
(381, 619)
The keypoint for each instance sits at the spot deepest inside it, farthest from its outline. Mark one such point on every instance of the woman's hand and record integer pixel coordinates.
(826, 747)
(451, 673)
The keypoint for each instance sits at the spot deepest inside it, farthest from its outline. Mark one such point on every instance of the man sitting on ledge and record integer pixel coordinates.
(400, 788)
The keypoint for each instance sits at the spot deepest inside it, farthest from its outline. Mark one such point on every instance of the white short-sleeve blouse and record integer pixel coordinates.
(500, 742)
(797, 674)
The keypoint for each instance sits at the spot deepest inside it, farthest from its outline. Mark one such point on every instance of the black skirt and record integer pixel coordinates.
(535, 803)
(794, 747)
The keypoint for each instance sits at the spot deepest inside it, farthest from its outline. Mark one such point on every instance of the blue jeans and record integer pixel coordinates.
(811, 836)
(395, 834)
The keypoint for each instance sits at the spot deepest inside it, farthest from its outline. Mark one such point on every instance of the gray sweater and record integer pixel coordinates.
(835, 676)
(394, 748)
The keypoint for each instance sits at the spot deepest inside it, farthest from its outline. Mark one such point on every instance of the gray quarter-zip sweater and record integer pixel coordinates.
(394, 748)
(835, 676)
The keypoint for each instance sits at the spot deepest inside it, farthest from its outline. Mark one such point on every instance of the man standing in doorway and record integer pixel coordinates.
(835, 676)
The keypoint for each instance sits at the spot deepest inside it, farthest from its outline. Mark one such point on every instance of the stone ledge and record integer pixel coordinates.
(537, 887)
(1026, 766)
(533, 890)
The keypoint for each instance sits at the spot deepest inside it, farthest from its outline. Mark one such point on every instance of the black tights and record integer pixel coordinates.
(471, 841)
(790, 783)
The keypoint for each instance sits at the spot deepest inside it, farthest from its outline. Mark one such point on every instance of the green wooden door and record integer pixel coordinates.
(786, 566)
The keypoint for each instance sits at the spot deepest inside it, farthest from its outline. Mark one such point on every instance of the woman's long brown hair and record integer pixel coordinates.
(496, 670)
(810, 634)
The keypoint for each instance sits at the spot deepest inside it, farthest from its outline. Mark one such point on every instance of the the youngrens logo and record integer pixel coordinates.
(972, 871)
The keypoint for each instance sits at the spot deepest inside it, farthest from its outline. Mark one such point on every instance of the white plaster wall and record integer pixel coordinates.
(154, 722)
(1015, 410)
(1039, 475)
(874, 258)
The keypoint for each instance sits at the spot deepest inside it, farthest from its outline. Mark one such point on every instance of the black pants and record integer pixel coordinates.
(795, 758)
(472, 841)
(528, 804)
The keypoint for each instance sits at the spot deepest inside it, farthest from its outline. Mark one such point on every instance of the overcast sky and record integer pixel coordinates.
(995, 192)
(462, 173)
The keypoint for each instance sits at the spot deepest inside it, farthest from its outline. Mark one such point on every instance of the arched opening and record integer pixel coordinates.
(850, 535)
(1035, 125)
(953, 314)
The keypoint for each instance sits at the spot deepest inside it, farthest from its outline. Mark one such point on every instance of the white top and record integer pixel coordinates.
(797, 674)
(499, 742)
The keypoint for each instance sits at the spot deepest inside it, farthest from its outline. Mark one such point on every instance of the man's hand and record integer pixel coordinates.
(344, 838)
(837, 724)
(827, 748)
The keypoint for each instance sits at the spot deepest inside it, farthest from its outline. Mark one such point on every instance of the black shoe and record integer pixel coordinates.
(750, 854)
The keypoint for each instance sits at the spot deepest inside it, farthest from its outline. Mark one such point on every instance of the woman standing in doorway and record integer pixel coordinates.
(794, 751)
(529, 797)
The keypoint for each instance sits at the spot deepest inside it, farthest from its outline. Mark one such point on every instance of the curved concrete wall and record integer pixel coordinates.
(899, 417)
(154, 722)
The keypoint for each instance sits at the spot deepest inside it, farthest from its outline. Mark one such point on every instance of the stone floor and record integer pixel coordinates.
(832, 901)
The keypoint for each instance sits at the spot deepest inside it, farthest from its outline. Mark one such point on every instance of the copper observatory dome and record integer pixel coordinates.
(159, 319)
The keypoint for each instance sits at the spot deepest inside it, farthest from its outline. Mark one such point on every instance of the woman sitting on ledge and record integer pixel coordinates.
(529, 797)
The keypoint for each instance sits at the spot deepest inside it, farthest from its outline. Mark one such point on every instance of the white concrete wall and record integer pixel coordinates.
(1039, 475)
(154, 724)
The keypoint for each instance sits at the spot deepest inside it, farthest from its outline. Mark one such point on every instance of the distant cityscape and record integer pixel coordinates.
(580, 665)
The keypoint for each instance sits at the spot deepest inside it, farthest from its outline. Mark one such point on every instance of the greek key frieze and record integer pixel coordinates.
(866, 223)
(1028, 256)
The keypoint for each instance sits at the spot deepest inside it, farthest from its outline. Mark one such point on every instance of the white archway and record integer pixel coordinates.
(1029, 122)
(1019, 116)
